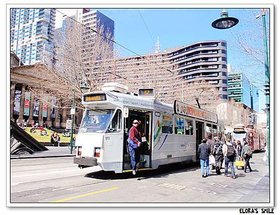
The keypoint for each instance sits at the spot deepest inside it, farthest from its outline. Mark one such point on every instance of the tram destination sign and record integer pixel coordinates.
(188, 110)
(94, 97)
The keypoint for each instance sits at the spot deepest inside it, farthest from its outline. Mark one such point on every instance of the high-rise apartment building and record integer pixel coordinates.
(32, 34)
(203, 61)
(171, 72)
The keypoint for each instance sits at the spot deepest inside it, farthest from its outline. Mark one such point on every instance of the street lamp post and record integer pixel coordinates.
(267, 79)
(84, 87)
(227, 22)
(73, 121)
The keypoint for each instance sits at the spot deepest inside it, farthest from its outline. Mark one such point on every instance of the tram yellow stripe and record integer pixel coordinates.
(86, 194)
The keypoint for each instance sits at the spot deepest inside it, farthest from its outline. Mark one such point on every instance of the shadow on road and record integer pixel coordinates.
(162, 171)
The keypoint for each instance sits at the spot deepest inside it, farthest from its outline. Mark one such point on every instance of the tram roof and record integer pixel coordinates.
(151, 103)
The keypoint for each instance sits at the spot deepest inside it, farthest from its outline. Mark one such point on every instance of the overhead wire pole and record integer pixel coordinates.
(73, 110)
(267, 80)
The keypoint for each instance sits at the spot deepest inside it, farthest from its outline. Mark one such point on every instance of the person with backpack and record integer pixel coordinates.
(229, 154)
(247, 155)
(218, 153)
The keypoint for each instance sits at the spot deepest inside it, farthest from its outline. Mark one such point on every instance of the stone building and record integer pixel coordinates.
(37, 95)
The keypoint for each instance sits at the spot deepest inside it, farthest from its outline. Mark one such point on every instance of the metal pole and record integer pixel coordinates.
(73, 120)
(267, 80)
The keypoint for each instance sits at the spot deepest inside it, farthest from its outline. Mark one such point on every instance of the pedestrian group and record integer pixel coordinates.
(225, 150)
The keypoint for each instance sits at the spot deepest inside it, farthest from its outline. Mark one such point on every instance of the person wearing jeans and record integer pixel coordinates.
(134, 141)
(204, 165)
(204, 152)
(230, 154)
(229, 161)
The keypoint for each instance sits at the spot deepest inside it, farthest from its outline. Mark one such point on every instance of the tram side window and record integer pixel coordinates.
(189, 127)
(167, 124)
(179, 126)
(116, 123)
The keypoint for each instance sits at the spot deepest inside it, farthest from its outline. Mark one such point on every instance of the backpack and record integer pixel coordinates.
(230, 151)
(218, 149)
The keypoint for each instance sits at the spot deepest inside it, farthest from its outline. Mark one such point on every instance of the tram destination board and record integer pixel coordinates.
(94, 97)
(188, 110)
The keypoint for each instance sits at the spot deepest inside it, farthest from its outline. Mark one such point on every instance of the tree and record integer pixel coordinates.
(249, 45)
(201, 94)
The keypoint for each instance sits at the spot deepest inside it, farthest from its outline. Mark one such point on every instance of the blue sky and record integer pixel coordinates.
(138, 29)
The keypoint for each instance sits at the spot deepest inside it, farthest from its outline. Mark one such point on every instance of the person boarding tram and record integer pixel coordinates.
(134, 141)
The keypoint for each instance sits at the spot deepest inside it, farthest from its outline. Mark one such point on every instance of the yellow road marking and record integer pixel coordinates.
(86, 194)
(139, 170)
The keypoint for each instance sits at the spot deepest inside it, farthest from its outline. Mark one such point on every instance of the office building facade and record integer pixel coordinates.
(242, 91)
(95, 25)
(32, 34)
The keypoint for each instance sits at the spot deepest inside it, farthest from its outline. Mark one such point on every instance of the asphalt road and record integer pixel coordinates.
(56, 181)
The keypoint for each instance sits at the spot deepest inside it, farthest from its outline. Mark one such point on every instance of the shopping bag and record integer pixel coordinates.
(212, 160)
(239, 163)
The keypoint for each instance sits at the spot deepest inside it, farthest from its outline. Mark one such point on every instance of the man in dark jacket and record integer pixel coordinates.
(204, 152)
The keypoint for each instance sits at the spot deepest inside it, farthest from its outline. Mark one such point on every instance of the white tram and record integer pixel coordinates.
(171, 133)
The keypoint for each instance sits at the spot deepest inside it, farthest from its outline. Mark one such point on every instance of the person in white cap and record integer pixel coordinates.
(134, 141)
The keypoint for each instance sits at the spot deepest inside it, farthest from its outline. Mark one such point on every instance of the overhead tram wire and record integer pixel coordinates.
(111, 40)
(150, 34)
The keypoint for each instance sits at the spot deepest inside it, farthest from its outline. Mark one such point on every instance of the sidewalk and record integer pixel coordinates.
(53, 151)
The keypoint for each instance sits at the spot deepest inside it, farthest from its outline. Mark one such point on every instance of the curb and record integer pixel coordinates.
(41, 156)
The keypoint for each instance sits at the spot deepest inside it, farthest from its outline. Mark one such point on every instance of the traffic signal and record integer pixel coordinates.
(266, 89)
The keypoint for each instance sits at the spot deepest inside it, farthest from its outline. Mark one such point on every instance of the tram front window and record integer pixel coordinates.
(96, 120)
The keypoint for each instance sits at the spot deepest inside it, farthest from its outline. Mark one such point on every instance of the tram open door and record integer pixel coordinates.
(144, 151)
(199, 135)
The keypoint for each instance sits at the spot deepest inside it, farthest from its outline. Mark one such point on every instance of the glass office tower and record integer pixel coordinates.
(32, 34)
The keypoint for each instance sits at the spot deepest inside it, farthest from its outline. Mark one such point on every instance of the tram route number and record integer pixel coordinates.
(256, 210)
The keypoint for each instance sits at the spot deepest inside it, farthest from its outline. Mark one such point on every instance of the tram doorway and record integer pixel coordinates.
(145, 129)
(199, 135)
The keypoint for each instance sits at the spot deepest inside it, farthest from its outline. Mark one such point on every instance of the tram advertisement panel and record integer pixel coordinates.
(188, 110)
